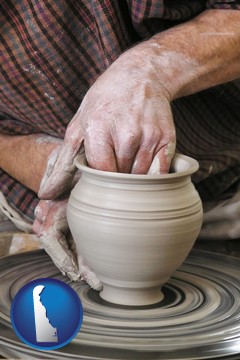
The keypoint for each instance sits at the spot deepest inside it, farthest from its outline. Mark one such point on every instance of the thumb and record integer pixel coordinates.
(60, 169)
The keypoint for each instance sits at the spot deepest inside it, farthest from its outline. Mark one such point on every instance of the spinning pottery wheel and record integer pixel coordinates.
(199, 317)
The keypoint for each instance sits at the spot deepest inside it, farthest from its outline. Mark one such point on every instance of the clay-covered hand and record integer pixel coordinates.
(222, 221)
(125, 118)
(125, 121)
(52, 229)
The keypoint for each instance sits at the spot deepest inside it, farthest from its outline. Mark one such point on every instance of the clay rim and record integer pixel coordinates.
(190, 166)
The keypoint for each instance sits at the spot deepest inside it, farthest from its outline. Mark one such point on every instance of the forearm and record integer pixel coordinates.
(211, 46)
(25, 157)
(193, 56)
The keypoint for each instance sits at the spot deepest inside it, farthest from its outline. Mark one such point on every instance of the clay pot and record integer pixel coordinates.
(134, 231)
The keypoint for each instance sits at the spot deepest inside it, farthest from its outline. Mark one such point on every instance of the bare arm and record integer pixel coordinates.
(198, 54)
(25, 157)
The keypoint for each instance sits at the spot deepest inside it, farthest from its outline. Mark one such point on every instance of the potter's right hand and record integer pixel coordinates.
(52, 229)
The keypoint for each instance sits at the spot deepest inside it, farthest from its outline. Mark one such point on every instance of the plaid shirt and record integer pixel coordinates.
(53, 51)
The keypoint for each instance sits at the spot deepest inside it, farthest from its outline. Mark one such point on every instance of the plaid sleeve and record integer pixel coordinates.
(148, 17)
(12, 126)
(18, 196)
(225, 4)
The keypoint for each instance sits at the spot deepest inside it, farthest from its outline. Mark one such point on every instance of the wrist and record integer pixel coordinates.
(169, 70)
(192, 56)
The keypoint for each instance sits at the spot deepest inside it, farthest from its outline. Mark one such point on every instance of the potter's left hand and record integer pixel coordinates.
(222, 221)
(52, 229)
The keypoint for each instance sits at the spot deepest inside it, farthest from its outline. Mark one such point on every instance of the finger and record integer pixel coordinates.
(37, 226)
(40, 214)
(150, 141)
(61, 169)
(226, 210)
(42, 209)
(222, 230)
(126, 148)
(55, 245)
(88, 275)
(162, 160)
(142, 160)
(112, 149)
(100, 154)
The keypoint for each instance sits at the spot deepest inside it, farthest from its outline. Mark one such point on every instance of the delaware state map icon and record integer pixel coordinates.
(46, 314)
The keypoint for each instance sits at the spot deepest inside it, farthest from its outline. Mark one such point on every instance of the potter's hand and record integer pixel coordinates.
(222, 221)
(52, 229)
(125, 121)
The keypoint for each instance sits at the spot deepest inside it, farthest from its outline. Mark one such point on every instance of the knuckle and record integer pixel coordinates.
(37, 227)
(171, 135)
(131, 136)
(169, 140)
